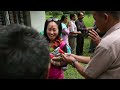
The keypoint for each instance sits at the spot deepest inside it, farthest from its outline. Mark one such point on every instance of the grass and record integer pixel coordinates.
(88, 20)
(71, 73)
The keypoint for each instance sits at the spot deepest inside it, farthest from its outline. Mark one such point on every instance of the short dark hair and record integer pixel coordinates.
(23, 53)
(59, 28)
(115, 14)
(72, 15)
(79, 13)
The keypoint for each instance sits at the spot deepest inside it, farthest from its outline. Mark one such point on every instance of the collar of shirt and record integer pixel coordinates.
(113, 28)
(72, 21)
(80, 20)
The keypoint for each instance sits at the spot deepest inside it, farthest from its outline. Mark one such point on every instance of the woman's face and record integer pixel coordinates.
(66, 20)
(52, 31)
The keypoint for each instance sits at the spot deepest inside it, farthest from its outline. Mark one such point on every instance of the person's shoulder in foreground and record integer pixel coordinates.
(23, 53)
(105, 62)
(106, 56)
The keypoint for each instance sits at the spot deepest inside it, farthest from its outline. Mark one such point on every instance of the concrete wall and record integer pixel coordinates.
(37, 19)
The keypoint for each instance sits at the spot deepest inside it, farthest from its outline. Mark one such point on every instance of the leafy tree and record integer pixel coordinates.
(48, 12)
(88, 13)
(54, 13)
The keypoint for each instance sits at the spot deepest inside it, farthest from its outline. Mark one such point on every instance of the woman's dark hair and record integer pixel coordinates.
(59, 28)
(72, 15)
(63, 17)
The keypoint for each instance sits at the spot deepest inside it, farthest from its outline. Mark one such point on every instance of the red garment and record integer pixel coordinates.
(57, 72)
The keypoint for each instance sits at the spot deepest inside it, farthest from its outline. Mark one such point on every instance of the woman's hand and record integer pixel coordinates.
(59, 58)
(52, 62)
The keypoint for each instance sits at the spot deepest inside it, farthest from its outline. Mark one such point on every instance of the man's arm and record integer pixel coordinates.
(75, 32)
(76, 64)
(82, 59)
(81, 69)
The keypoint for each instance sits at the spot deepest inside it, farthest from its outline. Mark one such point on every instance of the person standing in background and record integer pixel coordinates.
(105, 62)
(80, 37)
(73, 33)
(65, 31)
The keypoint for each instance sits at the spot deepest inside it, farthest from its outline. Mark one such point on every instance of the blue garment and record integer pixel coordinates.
(68, 48)
(65, 37)
(64, 26)
(42, 32)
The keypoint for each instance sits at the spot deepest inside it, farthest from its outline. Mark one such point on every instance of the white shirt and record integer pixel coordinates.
(73, 26)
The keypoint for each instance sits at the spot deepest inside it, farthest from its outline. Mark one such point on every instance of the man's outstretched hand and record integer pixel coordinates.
(68, 58)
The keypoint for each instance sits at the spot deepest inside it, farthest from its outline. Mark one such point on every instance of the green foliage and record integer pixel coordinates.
(54, 13)
(48, 16)
(88, 20)
(88, 12)
(48, 12)
(69, 12)
(51, 49)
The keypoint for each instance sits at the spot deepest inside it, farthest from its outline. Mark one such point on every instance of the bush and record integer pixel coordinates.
(54, 13)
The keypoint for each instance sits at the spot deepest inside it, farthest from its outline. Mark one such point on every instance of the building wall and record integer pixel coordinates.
(37, 20)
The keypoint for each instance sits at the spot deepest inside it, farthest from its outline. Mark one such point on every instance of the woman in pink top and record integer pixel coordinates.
(65, 31)
(52, 31)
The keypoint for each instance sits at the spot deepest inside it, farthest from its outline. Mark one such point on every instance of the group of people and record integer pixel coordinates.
(24, 53)
(74, 31)
(105, 62)
(63, 34)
